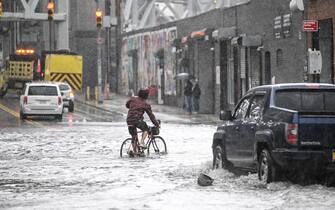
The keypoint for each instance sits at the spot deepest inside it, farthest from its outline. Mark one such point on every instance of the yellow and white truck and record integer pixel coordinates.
(25, 66)
(19, 69)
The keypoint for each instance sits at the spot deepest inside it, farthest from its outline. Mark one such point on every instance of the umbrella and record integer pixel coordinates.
(184, 76)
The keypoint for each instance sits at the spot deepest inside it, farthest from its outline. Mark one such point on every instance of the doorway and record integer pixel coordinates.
(323, 40)
(223, 75)
(267, 73)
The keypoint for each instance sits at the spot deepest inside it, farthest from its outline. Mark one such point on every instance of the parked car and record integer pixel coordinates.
(279, 130)
(42, 99)
(67, 95)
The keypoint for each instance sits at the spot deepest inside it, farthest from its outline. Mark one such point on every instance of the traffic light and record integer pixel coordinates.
(51, 10)
(1, 8)
(98, 17)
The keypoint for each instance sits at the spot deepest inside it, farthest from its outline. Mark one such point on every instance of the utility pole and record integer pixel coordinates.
(117, 44)
(98, 15)
(51, 12)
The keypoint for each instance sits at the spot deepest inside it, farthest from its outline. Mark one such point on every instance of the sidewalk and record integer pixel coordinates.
(167, 114)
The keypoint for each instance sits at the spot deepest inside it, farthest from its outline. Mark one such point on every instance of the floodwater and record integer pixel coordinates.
(78, 166)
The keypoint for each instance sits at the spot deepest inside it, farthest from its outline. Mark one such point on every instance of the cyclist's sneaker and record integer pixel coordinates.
(142, 154)
(131, 154)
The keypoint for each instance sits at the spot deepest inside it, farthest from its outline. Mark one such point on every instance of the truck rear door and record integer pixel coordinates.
(316, 130)
(315, 117)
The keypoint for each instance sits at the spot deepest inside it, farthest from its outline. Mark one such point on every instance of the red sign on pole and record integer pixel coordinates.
(311, 25)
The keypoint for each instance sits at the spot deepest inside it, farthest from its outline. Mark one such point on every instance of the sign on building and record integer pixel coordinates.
(277, 27)
(282, 26)
(311, 25)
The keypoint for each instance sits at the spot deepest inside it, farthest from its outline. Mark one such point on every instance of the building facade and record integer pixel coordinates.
(229, 50)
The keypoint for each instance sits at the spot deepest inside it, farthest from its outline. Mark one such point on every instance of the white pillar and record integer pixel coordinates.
(63, 26)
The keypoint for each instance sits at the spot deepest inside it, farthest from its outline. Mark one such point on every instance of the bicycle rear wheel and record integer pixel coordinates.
(126, 149)
(157, 146)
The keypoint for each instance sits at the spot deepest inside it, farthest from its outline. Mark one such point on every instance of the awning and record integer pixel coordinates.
(132, 52)
(247, 40)
(252, 41)
(199, 34)
(224, 33)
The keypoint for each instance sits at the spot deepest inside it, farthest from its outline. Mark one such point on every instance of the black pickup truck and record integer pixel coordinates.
(279, 129)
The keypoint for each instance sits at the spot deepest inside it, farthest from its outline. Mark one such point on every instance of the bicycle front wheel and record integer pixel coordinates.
(157, 146)
(126, 149)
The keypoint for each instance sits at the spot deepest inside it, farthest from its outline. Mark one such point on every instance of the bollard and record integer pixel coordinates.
(96, 93)
(88, 93)
(107, 91)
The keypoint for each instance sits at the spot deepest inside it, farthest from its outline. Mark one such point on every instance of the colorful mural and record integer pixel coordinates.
(146, 57)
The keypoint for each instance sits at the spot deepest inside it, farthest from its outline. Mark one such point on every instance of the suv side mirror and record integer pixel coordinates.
(225, 115)
(62, 93)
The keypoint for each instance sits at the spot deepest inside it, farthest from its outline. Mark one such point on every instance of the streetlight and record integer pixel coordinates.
(51, 12)
(98, 17)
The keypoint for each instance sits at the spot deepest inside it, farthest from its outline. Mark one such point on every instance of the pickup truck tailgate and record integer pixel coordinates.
(316, 130)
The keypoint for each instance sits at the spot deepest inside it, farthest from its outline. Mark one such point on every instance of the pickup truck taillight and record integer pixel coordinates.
(59, 100)
(292, 134)
(25, 100)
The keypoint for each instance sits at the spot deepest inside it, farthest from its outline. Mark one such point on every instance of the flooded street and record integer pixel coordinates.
(78, 166)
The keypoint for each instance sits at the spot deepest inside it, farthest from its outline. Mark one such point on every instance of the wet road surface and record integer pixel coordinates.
(77, 165)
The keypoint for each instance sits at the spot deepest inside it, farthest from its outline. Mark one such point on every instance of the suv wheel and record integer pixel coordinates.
(267, 171)
(2, 92)
(71, 106)
(23, 116)
(219, 157)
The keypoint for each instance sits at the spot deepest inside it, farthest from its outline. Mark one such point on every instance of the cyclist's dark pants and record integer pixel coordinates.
(138, 124)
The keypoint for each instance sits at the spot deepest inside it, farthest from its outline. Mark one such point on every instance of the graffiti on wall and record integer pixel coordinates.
(146, 57)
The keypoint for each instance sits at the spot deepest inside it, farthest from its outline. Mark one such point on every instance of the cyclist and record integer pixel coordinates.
(137, 106)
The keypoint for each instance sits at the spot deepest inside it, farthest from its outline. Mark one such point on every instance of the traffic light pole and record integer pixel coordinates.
(50, 35)
(99, 42)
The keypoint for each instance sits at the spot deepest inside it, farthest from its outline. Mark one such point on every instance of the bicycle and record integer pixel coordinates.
(154, 144)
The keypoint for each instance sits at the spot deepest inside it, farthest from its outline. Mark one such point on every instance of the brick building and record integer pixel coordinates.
(260, 42)
(323, 40)
(229, 50)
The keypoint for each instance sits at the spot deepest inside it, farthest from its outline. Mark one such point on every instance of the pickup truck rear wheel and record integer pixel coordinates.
(219, 157)
(267, 170)
(3, 92)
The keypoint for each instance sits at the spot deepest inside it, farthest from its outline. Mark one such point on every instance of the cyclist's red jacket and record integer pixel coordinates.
(137, 106)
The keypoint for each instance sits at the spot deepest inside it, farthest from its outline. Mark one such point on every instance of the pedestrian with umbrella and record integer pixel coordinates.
(188, 97)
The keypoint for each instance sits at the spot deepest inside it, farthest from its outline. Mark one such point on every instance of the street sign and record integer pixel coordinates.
(311, 25)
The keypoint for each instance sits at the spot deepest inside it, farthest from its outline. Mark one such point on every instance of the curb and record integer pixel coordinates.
(99, 108)
(191, 122)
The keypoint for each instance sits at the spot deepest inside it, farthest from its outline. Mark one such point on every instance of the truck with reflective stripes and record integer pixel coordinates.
(63, 67)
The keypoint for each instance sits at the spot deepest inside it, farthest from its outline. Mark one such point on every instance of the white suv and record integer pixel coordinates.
(67, 95)
(41, 98)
